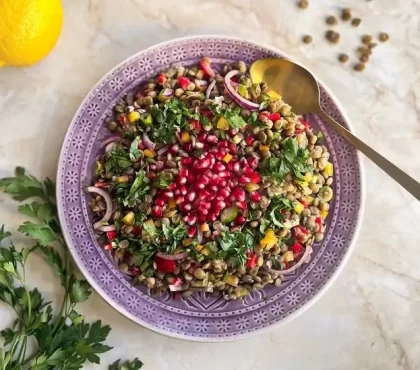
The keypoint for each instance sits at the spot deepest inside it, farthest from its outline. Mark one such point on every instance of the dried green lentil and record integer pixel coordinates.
(383, 37)
(367, 39)
(331, 20)
(359, 67)
(356, 22)
(303, 4)
(343, 58)
(307, 39)
(346, 14)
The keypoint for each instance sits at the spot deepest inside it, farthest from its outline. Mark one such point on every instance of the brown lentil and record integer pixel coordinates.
(346, 14)
(343, 58)
(331, 20)
(303, 4)
(383, 37)
(332, 36)
(356, 22)
(366, 39)
(307, 39)
(359, 67)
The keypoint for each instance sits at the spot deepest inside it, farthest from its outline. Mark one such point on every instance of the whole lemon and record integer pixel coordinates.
(29, 29)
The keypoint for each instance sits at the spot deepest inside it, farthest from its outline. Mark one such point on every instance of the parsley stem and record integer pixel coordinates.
(22, 350)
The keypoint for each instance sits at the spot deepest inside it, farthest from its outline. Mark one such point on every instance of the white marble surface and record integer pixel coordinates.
(369, 319)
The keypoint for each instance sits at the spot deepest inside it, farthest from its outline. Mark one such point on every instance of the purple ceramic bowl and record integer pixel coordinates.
(200, 317)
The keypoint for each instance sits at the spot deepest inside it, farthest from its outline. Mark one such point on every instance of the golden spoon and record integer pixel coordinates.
(298, 87)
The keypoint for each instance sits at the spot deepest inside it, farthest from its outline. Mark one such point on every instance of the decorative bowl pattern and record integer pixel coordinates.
(200, 317)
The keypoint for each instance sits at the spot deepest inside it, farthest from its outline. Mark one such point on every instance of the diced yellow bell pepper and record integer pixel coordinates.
(171, 203)
(133, 116)
(204, 227)
(122, 179)
(288, 256)
(232, 280)
(128, 219)
(149, 153)
(301, 183)
(237, 139)
(185, 137)
(199, 247)
(222, 124)
(269, 239)
(308, 177)
(251, 187)
(205, 251)
(324, 214)
(187, 242)
(329, 169)
(264, 148)
(314, 178)
(227, 158)
(299, 207)
(308, 199)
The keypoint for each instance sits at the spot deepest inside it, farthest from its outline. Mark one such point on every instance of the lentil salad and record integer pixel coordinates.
(209, 182)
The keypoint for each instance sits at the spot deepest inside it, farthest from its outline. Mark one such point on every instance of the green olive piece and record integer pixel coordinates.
(326, 193)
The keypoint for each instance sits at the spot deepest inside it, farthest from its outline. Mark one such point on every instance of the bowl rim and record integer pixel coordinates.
(119, 308)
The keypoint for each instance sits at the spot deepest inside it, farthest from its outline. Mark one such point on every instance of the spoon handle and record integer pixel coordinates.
(407, 182)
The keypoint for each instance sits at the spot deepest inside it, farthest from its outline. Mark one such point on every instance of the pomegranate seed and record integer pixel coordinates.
(204, 179)
(238, 194)
(220, 154)
(219, 167)
(244, 179)
(203, 212)
(191, 196)
(191, 231)
(212, 139)
(183, 189)
(222, 194)
(192, 219)
(219, 205)
(253, 162)
(222, 144)
(199, 145)
(200, 185)
(205, 205)
(152, 167)
(157, 211)
(240, 219)
(160, 202)
(224, 174)
(187, 147)
(202, 137)
(168, 194)
(203, 163)
(186, 161)
(222, 183)
(232, 148)
(173, 148)
(108, 246)
(203, 194)
(212, 217)
(135, 270)
(255, 178)
(249, 140)
(240, 205)
(177, 191)
(248, 170)
(255, 196)
(202, 218)
(236, 167)
(184, 172)
(181, 180)
(190, 177)
(171, 186)
(185, 218)
(212, 195)
(179, 199)
(213, 188)
(187, 207)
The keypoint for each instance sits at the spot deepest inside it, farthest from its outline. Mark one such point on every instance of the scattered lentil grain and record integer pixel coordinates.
(383, 37)
(364, 58)
(346, 14)
(343, 58)
(356, 22)
(303, 4)
(307, 39)
(332, 36)
(367, 39)
(359, 67)
(331, 20)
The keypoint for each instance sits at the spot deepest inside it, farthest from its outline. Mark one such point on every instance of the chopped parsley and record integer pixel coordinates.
(135, 152)
(143, 257)
(232, 116)
(171, 116)
(132, 195)
(117, 160)
(174, 236)
(276, 212)
(292, 160)
(253, 119)
(235, 245)
(163, 180)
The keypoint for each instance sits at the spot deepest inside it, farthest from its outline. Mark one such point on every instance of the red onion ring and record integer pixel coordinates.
(199, 234)
(108, 202)
(210, 89)
(111, 139)
(244, 103)
(308, 251)
(109, 146)
(163, 150)
(174, 288)
(149, 144)
(170, 257)
(103, 228)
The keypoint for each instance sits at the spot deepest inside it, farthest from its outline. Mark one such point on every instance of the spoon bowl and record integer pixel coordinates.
(299, 88)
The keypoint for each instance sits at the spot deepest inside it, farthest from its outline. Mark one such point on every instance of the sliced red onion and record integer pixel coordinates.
(174, 288)
(244, 103)
(103, 228)
(149, 144)
(98, 225)
(199, 234)
(201, 83)
(163, 150)
(111, 139)
(308, 251)
(167, 92)
(109, 146)
(171, 257)
(210, 89)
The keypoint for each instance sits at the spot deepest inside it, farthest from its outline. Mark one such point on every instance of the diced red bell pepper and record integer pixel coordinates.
(137, 230)
(108, 246)
(183, 82)
(195, 124)
(206, 67)
(111, 235)
(296, 248)
(249, 140)
(141, 145)
(101, 185)
(304, 203)
(206, 112)
(252, 260)
(164, 265)
(318, 221)
(301, 229)
(274, 116)
(161, 79)
(304, 123)
(123, 119)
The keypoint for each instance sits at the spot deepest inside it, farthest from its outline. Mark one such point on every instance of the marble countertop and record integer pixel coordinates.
(369, 319)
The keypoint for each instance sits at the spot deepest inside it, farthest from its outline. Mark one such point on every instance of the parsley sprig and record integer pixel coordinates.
(63, 339)
(235, 245)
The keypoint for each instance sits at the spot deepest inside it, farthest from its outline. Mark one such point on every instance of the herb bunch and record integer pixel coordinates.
(63, 340)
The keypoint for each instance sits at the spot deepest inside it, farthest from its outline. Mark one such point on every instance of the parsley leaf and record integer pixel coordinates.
(138, 189)
(174, 236)
(116, 160)
(253, 119)
(292, 160)
(235, 245)
(163, 180)
(276, 212)
(135, 152)
(136, 364)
